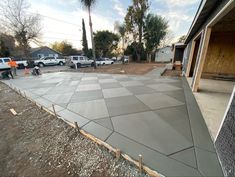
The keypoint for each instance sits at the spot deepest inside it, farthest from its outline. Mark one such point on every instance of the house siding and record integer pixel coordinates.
(45, 52)
(164, 55)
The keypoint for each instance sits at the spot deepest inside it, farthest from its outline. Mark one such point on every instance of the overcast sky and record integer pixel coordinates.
(62, 19)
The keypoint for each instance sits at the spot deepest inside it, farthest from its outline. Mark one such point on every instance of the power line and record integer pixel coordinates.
(61, 38)
(60, 33)
(56, 19)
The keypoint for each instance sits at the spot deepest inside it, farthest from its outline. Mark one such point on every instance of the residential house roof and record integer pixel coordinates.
(205, 9)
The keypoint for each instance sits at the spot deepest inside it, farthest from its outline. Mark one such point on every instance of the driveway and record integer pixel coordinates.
(154, 116)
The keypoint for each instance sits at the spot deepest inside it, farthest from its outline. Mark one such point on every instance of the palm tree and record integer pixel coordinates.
(122, 32)
(88, 4)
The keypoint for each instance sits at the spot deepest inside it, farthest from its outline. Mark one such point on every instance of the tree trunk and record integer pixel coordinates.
(92, 37)
(140, 42)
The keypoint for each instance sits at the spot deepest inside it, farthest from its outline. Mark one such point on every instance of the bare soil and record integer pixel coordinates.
(172, 73)
(36, 144)
(131, 68)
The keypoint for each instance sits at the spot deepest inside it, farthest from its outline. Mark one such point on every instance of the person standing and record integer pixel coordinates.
(12, 63)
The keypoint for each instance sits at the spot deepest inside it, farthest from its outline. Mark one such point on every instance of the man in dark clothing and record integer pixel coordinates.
(6, 74)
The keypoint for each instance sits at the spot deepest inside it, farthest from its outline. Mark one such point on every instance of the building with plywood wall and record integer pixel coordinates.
(209, 67)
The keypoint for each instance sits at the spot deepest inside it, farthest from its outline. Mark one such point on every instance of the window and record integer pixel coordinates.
(0, 60)
(6, 59)
(81, 58)
(75, 58)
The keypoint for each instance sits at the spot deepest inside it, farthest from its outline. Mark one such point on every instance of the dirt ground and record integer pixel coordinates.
(172, 73)
(34, 143)
(131, 68)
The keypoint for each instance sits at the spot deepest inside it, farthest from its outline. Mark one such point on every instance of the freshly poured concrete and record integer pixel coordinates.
(149, 115)
(213, 98)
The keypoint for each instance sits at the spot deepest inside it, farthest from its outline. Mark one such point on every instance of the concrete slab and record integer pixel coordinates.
(73, 117)
(208, 163)
(124, 105)
(86, 78)
(188, 157)
(155, 160)
(163, 123)
(138, 90)
(116, 92)
(158, 100)
(91, 109)
(84, 96)
(177, 117)
(85, 82)
(110, 85)
(107, 80)
(106, 122)
(88, 87)
(147, 128)
(59, 98)
(131, 83)
(163, 87)
(97, 130)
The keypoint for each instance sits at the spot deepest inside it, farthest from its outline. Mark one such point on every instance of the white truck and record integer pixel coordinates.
(4, 63)
(48, 61)
(79, 61)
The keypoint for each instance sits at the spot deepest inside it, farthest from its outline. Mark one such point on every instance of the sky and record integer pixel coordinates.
(62, 19)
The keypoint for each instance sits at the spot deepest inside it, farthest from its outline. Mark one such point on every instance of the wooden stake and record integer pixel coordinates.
(53, 107)
(13, 112)
(118, 153)
(140, 163)
(76, 125)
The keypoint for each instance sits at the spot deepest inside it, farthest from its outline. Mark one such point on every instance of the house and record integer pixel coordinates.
(164, 54)
(44, 51)
(178, 52)
(209, 68)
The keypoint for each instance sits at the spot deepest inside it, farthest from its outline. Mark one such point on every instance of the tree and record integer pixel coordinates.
(25, 27)
(88, 4)
(64, 48)
(7, 45)
(84, 39)
(122, 32)
(106, 42)
(182, 39)
(134, 20)
(168, 39)
(155, 29)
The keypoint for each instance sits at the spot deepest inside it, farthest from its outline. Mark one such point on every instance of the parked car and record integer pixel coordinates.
(4, 63)
(48, 61)
(104, 61)
(80, 61)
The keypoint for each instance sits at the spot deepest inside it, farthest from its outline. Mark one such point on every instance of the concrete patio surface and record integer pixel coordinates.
(150, 115)
(213, 98)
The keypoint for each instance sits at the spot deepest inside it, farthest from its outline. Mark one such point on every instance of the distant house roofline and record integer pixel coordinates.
(39, 48)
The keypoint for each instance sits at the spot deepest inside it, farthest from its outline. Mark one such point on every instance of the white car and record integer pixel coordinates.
(79, 61)
(47, 61)
(104, 61)
(4, 63)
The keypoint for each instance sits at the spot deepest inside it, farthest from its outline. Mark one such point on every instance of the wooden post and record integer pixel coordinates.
(118, 153)
(53, 107)
(76, 125)
(140, 163)
(202, 58)
(190, 58)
